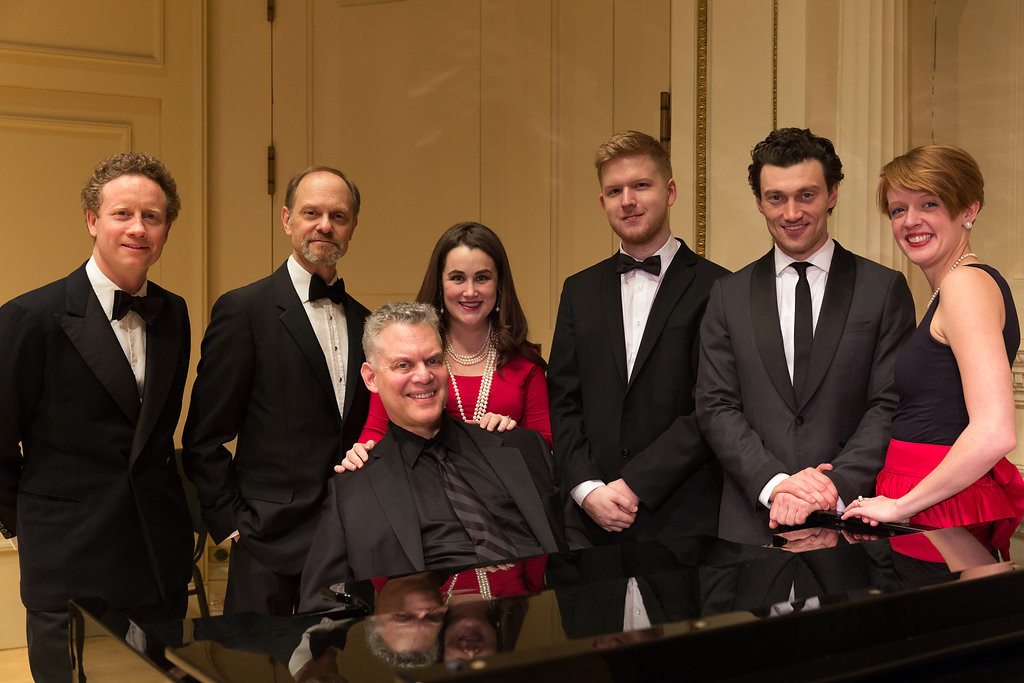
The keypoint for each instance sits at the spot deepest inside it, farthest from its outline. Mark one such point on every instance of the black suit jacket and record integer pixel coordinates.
(93, 491)
(642, 428)
(263, 378)
(369, 526)
(745, 400)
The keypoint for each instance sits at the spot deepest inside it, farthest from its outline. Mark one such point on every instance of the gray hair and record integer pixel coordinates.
(396, 313)
(410, 659)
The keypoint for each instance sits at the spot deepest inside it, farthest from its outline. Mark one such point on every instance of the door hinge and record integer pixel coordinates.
(270, 170)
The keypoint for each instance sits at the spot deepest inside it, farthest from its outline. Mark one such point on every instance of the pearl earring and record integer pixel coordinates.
(969, 225)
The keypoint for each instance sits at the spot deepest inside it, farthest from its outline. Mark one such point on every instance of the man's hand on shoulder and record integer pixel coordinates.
(610, 509)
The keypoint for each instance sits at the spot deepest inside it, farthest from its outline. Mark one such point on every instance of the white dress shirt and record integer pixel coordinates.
(329, 325)
(786, 278)
(129, 330)
(637, 289)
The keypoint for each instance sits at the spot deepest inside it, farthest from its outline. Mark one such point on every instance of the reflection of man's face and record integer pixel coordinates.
(469, 634)
(408, 612)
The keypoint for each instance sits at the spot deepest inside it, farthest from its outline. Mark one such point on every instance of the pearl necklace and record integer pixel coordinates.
(473, 358)
(482, 581)
(951, 269)
(485, 384)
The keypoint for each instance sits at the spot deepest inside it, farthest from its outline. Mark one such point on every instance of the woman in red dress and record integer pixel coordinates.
(496, 375)
(954, 422)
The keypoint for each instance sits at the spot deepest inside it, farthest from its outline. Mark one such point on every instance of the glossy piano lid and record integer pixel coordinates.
(829, 594)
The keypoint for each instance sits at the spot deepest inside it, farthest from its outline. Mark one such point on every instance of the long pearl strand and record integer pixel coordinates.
(485, 382)
(951, 269)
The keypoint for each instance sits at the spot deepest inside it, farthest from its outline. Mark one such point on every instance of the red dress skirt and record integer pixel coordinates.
(998, 496)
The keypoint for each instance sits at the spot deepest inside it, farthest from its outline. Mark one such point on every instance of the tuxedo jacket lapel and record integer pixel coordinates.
(92, 336)
(677, 278)
(508, 464)
(764, 317)
(163, 344)
(295, 320)
(611, 301)
(835, 306)
(390, 483)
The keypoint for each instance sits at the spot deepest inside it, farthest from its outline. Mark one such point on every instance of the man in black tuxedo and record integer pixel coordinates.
(91, 379)
(435, 493)
(624, 361)
(279, 372)
(795, 392)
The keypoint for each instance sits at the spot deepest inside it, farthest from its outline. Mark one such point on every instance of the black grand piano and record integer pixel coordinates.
(831, 601)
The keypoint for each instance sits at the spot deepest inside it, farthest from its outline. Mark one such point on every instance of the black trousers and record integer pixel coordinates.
(48, 651)
(252, 587)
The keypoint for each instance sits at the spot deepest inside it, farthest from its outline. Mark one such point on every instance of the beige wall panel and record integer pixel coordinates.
(34, 144)
(642, 31)
(739, 115)
(584, 106)
(822, 65)
(516, 140)
(398, 110)
(243, 219)
(792, 64)
(41, 27)
(38, 127)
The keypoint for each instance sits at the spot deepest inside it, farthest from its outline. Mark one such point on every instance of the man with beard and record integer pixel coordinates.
(279, 371)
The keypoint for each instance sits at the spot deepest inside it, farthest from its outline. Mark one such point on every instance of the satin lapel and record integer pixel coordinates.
(390, 482)
(764, 318)
(610, 291)
(677, 278)
(354, 323)
(163, 344)
(90, 333)
(508, 464)
(297, 323)
(842, 279)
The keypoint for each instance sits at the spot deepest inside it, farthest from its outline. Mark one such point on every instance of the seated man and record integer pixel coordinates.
(434, 494)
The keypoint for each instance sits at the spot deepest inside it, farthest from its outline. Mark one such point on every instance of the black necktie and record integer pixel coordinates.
(318, 289)
(626, 263)
(491, 544)
(148, 307)
(803, 328)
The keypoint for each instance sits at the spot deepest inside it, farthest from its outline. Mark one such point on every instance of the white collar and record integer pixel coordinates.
(821, 258)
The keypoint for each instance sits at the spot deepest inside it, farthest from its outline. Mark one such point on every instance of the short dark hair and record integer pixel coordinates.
(508, 321)
(130, 163)
(293, 185)
(787, 147)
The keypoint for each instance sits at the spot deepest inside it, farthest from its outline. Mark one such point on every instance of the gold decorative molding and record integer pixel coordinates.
(701, 131)
(46, 36)
(775, 64)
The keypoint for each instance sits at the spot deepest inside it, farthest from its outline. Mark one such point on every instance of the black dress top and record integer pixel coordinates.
(931, 406)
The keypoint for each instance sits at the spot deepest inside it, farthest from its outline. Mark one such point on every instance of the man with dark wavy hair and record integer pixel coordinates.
(91, 380)
(795, 384)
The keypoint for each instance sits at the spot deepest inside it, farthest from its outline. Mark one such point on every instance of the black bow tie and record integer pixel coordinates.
(318, 289)
(626, 263)
(148, 307)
